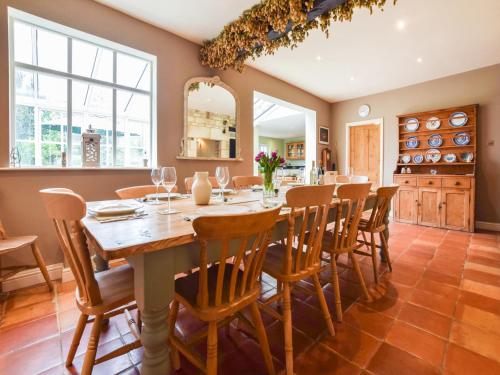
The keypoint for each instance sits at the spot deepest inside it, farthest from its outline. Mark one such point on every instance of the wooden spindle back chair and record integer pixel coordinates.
(299, 257)
(141, 191)
(246, 182)
(188, 183)
(343, 238)
(215, 294)
(100, 295)
(376, 224)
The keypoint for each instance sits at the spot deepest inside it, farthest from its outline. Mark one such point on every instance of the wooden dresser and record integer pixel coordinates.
(445, 199)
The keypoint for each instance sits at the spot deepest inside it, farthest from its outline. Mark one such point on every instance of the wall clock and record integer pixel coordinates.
(364, 110)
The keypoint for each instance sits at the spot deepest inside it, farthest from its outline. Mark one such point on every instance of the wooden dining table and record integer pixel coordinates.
(158, 247)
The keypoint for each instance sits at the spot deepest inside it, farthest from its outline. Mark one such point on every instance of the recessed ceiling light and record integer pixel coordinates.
(318, 58)
(351, 79)
(400, 25)
(419, 60)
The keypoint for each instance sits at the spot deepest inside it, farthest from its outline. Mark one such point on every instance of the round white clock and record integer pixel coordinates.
(364, 110)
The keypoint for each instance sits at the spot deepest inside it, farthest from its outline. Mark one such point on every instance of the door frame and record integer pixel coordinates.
(376, 121)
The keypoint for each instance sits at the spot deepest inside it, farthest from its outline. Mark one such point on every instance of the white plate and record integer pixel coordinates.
(257, 187)
(222, 210)
(406, 158)
(226, 191)
(115, 209)
(433, 123)
(162, 196)
(458, 119)
(450, 158)
(411, 124)
(433, 155)
(296, 184)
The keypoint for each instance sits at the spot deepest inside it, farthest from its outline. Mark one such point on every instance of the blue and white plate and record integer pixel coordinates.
(406, 158)
(418, 158)
(435, 140)
(458, 119)
(412, 142)
(450, 158)
(433, 123)
(433, 155)
(412, 124)
(461, 139)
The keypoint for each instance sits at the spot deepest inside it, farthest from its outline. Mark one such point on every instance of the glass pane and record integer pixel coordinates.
(133, 72)
(92, 61)
(92, 105)
(52, 50)
(23, 47)
(133, 129)
(41, 118)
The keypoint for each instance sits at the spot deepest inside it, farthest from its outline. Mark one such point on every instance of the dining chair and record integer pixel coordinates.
(218, 293)
(359, 179)
(245, 182)
(133, 192)
(299, 258)
(101, 295)
(342, 239)
(342, 179)
(188, 183)
(10, 244)
(375, 224)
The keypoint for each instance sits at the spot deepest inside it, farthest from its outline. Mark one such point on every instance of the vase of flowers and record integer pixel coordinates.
(267, 165)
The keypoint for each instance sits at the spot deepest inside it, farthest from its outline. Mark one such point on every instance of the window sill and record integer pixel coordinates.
(31, 169)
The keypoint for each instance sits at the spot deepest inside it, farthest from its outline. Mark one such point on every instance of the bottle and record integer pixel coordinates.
(321, 173)
(313, 177)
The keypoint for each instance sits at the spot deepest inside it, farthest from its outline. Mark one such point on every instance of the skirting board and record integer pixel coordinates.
(32, 277)
(67, 275)
(488, 226)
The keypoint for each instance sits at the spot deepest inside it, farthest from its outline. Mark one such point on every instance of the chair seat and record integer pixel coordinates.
(364, 225)
(327, 243)
(187, 287)
(116, 286)
(14, 243)
(275, 260)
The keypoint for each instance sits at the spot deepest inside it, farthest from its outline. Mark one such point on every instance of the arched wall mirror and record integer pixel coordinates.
(211, 120)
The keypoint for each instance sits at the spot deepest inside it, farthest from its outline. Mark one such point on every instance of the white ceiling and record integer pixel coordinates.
(362, 57)
(291, 126)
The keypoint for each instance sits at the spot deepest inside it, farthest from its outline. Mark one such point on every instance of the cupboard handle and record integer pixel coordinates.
(430, 182)
(457, 183)
(407, 182)
(440, 206)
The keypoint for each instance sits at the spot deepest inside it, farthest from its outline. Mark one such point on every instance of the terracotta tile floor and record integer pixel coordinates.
(437, 312)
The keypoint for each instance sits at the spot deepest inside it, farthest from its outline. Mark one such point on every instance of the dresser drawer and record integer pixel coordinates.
(429, 181)
(405, 181)
(456, 182)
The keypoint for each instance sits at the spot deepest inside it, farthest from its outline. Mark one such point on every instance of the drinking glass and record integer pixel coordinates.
(156, 178)
(168, 180)
(222, 177)
(351, 173)
(277, 179)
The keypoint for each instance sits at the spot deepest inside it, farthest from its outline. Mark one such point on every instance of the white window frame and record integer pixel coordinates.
(71, 34)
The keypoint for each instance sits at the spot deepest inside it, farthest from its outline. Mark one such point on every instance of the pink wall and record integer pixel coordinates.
(20, 207)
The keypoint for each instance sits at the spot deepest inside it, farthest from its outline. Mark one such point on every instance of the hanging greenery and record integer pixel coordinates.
(248, 36)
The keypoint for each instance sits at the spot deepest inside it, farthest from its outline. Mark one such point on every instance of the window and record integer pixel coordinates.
(63, 81)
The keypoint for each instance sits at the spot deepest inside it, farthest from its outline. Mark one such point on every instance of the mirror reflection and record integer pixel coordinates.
(210, 121)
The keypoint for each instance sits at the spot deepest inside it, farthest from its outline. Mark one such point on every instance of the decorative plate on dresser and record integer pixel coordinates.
(450, 158)
(458, 119)
(433, 155)
(435, 140)
(412, 142)
(412, 124)
(461, 139)
(433, 123)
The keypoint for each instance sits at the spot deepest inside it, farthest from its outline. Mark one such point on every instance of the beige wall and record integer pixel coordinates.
(475, 87)
(20, 207)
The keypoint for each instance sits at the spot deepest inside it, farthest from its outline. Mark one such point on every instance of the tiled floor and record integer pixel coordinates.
(437, 312)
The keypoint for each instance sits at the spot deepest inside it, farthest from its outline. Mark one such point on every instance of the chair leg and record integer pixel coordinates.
(355, 265)
(77, 336)
(373, 251)
(336, 288)
(41, 264)
(385, 249)
(287, 328)
(365, 239)
(212, 348)
(139, 320)
(261, 334)
(172, 318)
(88, 363)
(324, 306)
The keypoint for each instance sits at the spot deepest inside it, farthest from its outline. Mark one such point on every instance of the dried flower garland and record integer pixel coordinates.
(248, 36)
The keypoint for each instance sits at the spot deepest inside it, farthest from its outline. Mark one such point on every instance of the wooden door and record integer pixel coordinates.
(429, 207)
(405, 205)
(455, 209)
(364, 151)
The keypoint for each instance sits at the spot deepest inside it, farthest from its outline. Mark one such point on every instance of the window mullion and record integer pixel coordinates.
(114, 108)
(69, 100)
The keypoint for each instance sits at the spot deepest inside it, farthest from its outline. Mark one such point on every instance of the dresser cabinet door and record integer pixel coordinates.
(405, 205)
(455, 209)
(429, 207)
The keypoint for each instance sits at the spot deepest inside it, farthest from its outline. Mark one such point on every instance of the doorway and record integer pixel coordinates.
(281, 125)
(364, 149)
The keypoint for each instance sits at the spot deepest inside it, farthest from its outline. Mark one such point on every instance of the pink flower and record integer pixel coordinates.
(282, 161)
(274, 154)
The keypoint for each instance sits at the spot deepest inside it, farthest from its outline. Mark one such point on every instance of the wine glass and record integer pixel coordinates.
(277, 179)
(156, 178)
(168, 180)
(222, 177)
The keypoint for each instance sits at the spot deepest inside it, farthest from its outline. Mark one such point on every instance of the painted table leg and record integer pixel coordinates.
(154, 288)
